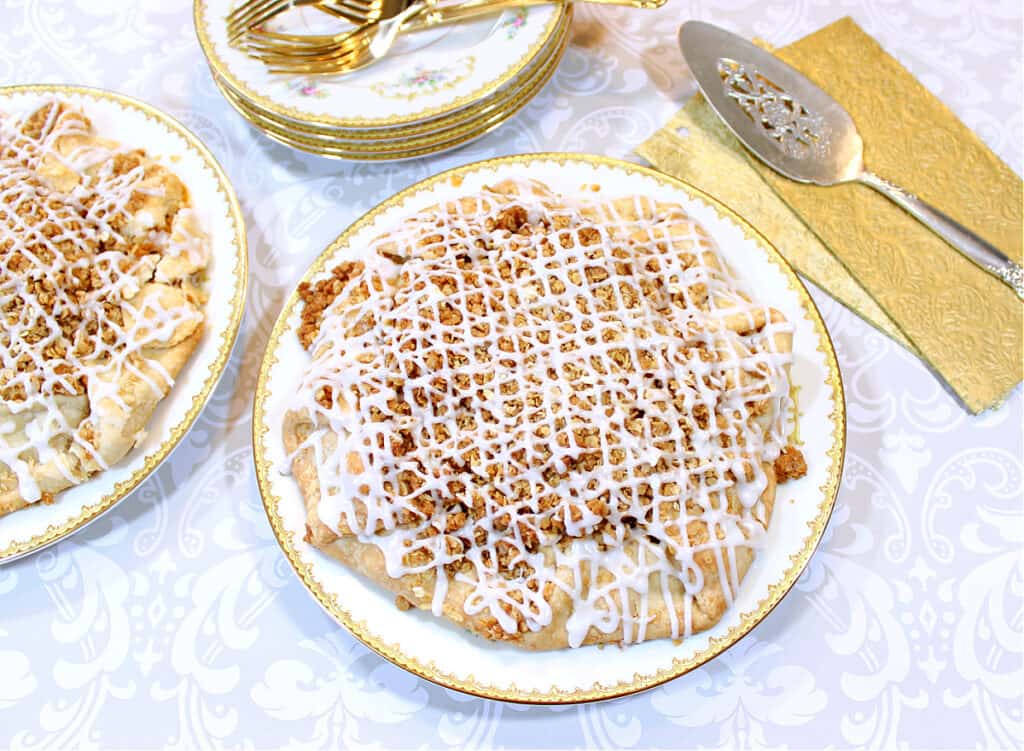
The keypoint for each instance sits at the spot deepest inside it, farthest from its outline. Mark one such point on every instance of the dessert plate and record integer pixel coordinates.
(440, 652)
(392, 145)
(135, 123)
(546, 58)
(433, 74)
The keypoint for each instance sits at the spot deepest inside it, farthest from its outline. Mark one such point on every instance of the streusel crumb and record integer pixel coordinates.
(790, 465)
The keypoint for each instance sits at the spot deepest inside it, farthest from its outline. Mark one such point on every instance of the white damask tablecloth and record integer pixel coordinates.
(175, 622)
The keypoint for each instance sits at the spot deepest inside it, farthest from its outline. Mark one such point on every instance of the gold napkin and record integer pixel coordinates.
(858, 246)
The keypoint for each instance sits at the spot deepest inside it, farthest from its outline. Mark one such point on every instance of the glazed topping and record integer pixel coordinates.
(84, 224)
(535, 395)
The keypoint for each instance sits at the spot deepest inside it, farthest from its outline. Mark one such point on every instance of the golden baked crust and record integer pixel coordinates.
(553, 421)
(100, 257)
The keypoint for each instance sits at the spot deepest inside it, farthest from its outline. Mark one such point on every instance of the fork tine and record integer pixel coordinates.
(260, 15)
(281, 54)
(329, 56)
(366, 6)
(256, 12)
(271, 40)
(341, 11)
(268, 42)
(304, 38)
(335, 69)
(251, 14)
(278, 56)
(240, 13)
(337, 53)
(351, 60)
(297, 51)
(287, 53)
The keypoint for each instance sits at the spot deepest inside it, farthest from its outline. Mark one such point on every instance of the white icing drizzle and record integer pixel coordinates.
(580, 391)
(186, 241)
(65, 217)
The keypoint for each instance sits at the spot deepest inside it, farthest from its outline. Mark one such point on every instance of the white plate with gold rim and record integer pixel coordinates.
(427, 75)
(440, 652)
(465, 136)
(135, 123)
(401, 149)
(541, 67)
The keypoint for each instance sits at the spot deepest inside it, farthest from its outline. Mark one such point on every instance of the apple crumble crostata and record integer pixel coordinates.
(100, 259)
(555, 421)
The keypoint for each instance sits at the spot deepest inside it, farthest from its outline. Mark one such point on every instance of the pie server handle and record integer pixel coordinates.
(984, 254)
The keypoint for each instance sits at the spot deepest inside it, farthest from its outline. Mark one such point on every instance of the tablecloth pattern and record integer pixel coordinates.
(175, 622)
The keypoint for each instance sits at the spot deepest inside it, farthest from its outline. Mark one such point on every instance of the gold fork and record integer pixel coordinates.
(353, 49)
(343, 9)
(254, 13)
(342, 53)
(347, 10)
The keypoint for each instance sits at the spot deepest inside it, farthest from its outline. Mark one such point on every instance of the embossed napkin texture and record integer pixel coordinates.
(864, 250)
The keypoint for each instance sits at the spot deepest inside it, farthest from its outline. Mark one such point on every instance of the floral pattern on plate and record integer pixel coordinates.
(422, 80)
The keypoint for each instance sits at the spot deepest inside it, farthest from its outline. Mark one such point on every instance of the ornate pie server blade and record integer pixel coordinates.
(797, 129)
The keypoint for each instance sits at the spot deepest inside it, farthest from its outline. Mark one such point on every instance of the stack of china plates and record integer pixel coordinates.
(436, 90)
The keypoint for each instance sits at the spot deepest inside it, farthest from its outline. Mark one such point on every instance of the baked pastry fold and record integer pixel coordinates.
(552, 420)
(101, 258)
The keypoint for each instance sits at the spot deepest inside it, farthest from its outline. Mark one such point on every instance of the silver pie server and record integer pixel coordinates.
(798, 130)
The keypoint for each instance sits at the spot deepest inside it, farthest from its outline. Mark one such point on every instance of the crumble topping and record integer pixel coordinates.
(510, 386)
(98, 252)
(790, 465)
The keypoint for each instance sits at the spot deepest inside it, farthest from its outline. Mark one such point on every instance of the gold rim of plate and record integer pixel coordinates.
(228, 336)
(360, 138)
(393, 156)
(220, 68)
(418, 147)
(430, 671)
(503, 105)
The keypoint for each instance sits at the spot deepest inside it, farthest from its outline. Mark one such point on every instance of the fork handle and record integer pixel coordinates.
(983, 253)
